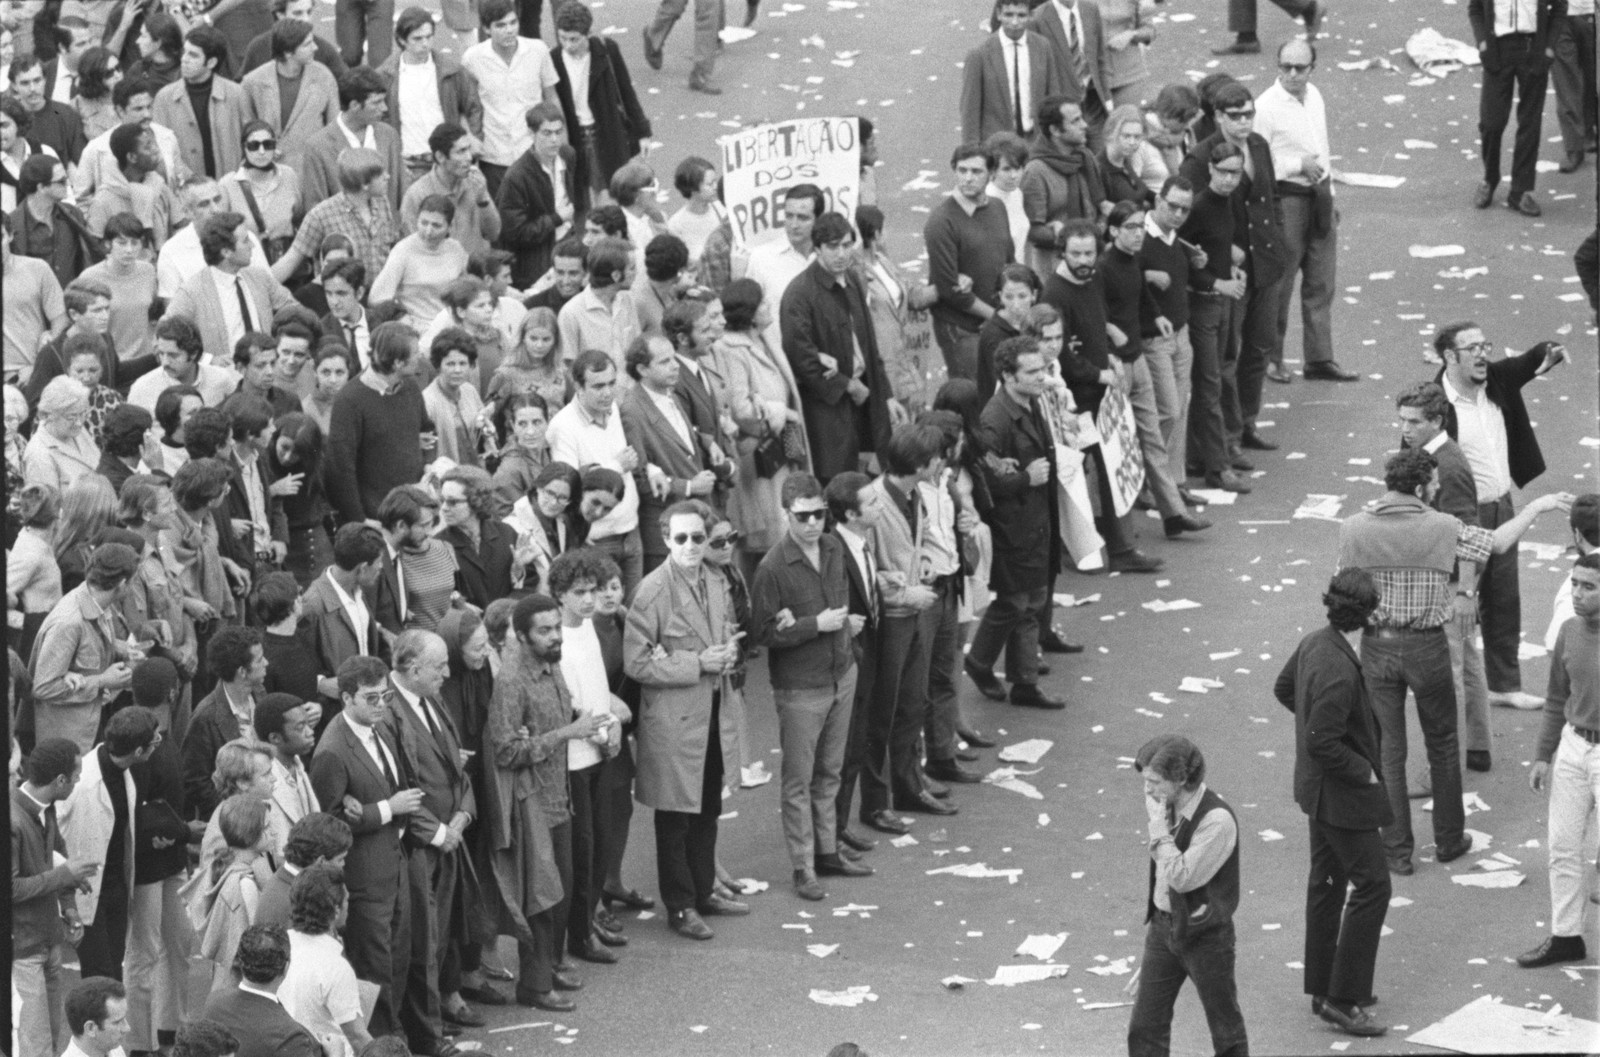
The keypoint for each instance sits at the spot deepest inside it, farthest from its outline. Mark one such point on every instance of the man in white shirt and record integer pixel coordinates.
(775, 264)
(513, 73)
(97, 1014)
(180, 258)
(1291, 118)
(589, 430)
(180, 354)
(602, 317)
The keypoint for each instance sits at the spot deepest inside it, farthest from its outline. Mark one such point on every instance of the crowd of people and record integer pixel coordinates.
(396, 496)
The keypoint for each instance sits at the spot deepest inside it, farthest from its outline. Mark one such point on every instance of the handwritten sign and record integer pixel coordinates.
(761, 163)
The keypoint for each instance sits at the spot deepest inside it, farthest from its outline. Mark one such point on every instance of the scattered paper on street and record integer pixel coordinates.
(1498, 879)
(1271, 835)
(1011, 975)
(976, 869)
(1042, 946)
(956, 983)
(1429, 252)
(1215, 496)
(1159, 606)
(1488, 1026)
(735, 34)
(1104, 1005)
(1030, 751)
(750, 885)
(1438, 55)
(1007, 778)
(1120, 967)
(1194, 684)
(1322, 507)
(905, 840)
(1364, 179)
(850, 996)
(822, 950)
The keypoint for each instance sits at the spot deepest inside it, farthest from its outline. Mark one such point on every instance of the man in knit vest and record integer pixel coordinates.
(1194, 889)
(1411, 551)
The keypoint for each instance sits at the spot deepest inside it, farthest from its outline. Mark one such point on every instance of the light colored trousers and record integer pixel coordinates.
(156, 966)
(41, 1028)
(708, 19)
(813, 725)
(1574, 792)
(1142, 397)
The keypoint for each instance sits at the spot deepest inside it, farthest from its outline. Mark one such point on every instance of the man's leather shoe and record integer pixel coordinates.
(950, 771)
(1478, 759)
(984, 678)
(1028, 695)
(928, 806)
(1178, 524)
(1239, 47)
(847, 852)
(651, 55)
(1189, 498)
(1401, 867)
(1256, 442)
(628, 898)
(1329, 371)
(1052, 642)
(704, 87)
(1365, 1003)
(547, 1000)
(887, 822)
(566, 982)
(1455, 851)
(1354, 1021)
(485, 996)
(1042, 668)
(1277, 372)
(607, 920)
(838, 866)
(728, 908)
(1240, 463)
(750, 9)
(806, 886)
(1135, 561)
(1553, 950)
(1313, 18)
(690, 924)
(966, 756)
(609, 937)
(594, 952)
(1483, 196)
(855, 840)
(1571, 162)
(565, 967)
(977, 740)
(1228, 481)
(464, 1016)
(1525, 204)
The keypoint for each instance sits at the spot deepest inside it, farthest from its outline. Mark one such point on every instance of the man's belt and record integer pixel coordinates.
(1590, 736)
(1396, 633)
(1289, 187)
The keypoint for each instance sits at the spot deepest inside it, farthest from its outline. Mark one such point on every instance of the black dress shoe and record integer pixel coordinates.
(1401, 867)
(1228, 481)
(724, 907)
(652, 56)
(1240, 463)
(1482, 196)
(485, 996)
(1454, 851)
(847, 852)
(806, 886)
(594, 952)
(704, 87)
(1178, 524)
(1571, 162)
(1042, 668)
(887, 822)
(1277, 372)
(856, 840)
(1365, 1003)
(988, 685)
(565, 967)
(464, 1017)
(628, 898)
(950, 771)
(1553, 950)
(967, 756)
(934, 787)
(1329, 371)
(838, 866)
(1239, 47)
(689, 923)
(608, 937)
(1256, 442)
(1478, 759)
(1135, 561)
(1189, 498)
(607, 920)
(566, 982)
(547, 1000)
(978, 741)
(1050, 642)
(1028, 695)
(750, 9)
(1352, 1021)
(928, 805)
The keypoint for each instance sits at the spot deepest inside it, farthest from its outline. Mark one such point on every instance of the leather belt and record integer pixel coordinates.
(1590, 736)
(1397, 633)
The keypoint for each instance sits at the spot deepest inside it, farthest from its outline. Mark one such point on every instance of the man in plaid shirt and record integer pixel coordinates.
(1411, 550)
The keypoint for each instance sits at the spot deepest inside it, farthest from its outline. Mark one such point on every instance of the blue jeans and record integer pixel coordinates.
(1207, 959)
(1210, 321)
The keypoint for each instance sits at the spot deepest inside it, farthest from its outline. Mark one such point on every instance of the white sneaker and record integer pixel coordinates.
(1518, 699)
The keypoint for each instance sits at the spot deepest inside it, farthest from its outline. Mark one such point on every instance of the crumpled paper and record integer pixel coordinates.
(850, 996)
(1437, 55)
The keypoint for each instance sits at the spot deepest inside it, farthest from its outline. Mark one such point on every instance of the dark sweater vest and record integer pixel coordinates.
(1210, 906)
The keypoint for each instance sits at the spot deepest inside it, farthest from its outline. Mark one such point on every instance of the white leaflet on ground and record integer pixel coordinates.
(1042, 946)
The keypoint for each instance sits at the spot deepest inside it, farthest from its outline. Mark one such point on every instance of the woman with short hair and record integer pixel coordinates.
(452, 399)
(61, 450)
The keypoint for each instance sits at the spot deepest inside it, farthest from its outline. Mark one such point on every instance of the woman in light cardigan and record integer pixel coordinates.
(451, 400)
(61, 450)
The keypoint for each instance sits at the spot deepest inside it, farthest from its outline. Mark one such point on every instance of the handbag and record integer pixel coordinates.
(769, 455)
(273, 247)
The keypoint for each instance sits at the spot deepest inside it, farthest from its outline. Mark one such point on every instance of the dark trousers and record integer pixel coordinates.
(536, 961)
(1518, 67)
(1011, 623)
(377, 941)
(943, 714)
(614, 807)
(105, 940)
(1116, 531)
(1500, 605)
(686, 841)
(1313, 258)
(1342, 934)
(1259, 345)
(492, 175)
(528, 12)
(1207, 959)
(895, 714)
(1209, 322)
(1573, 71)
(1418, 661)
(855, 744)
(1242, 14)
(428, 871)
(583, 786)
(364, 23)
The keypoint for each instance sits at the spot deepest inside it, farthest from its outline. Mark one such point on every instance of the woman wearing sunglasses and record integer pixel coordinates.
(263, 191)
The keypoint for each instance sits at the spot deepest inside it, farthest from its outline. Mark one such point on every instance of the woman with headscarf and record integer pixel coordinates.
(61, 450)
(264, 191)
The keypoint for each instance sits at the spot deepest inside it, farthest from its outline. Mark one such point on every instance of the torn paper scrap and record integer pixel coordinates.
(956, 983)
(1120, 967)
(822, 950)
(1044, 820)
(1159, 606)
(1367, 179)
(1400, 901)
(1215, 496)
(1042, 946)
(1429, 252)
(1030, 751)
(1194, 684)
(1492, 864)
(1321, 507)
(1498, 879)
(1271, 835)
(734, 34)
(1225, 655)
(976, 869)
(1011, 975)
(1471, 804)
(850, 996)
(1438, 55)
(1488, 1026)
(1419, 144)
(1089, 1006)
(750, 884)
(905, 840)
(1377, 63)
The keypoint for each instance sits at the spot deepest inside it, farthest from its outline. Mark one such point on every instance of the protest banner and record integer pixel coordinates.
(1119, 444)
(761, 163)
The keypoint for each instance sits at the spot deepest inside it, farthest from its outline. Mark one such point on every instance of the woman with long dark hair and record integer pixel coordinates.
(297, 449)
(519, 425)
(99, 70)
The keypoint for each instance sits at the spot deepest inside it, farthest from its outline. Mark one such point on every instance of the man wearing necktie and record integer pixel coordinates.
(1077, 37)
(1006, 76)
(358, 771)
(230, 296)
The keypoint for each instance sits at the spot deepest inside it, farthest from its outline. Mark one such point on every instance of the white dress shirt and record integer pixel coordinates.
(1295, 130)
(428, 716)
(578, 80)
(668, 404)
(255, 495)
(368, 140)
(355, 606)
(584, 669)
(1515, 16)
(379, 752)
(578, 440)
(180, 260)
(1481, 433)
(1019, 67)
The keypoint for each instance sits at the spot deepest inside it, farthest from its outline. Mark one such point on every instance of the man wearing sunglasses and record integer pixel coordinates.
(1488, 419)
(1291, 118)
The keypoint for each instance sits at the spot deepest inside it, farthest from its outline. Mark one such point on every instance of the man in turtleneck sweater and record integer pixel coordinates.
(205, 109)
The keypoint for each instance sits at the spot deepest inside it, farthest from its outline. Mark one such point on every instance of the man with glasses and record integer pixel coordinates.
(680, 646)
(800, 605)
(45, 225)
(1488, 418)
(1516, 40)
(1256, 324)
(1291, 118)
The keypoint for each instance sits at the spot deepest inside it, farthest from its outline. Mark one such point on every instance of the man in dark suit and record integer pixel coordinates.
(1006, 77)
(238, 663)
(251, 1010)
(358, 769)
(333, 603)
(1337, 784)
(1078, 39)
(406, 518)
(253, 506)
(693, 326)
(825, 321)
(1516, 58)
(1488, 419)
(319, 837)
(618, 123)
(443, 883)
(541, 196)
(673, 464)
